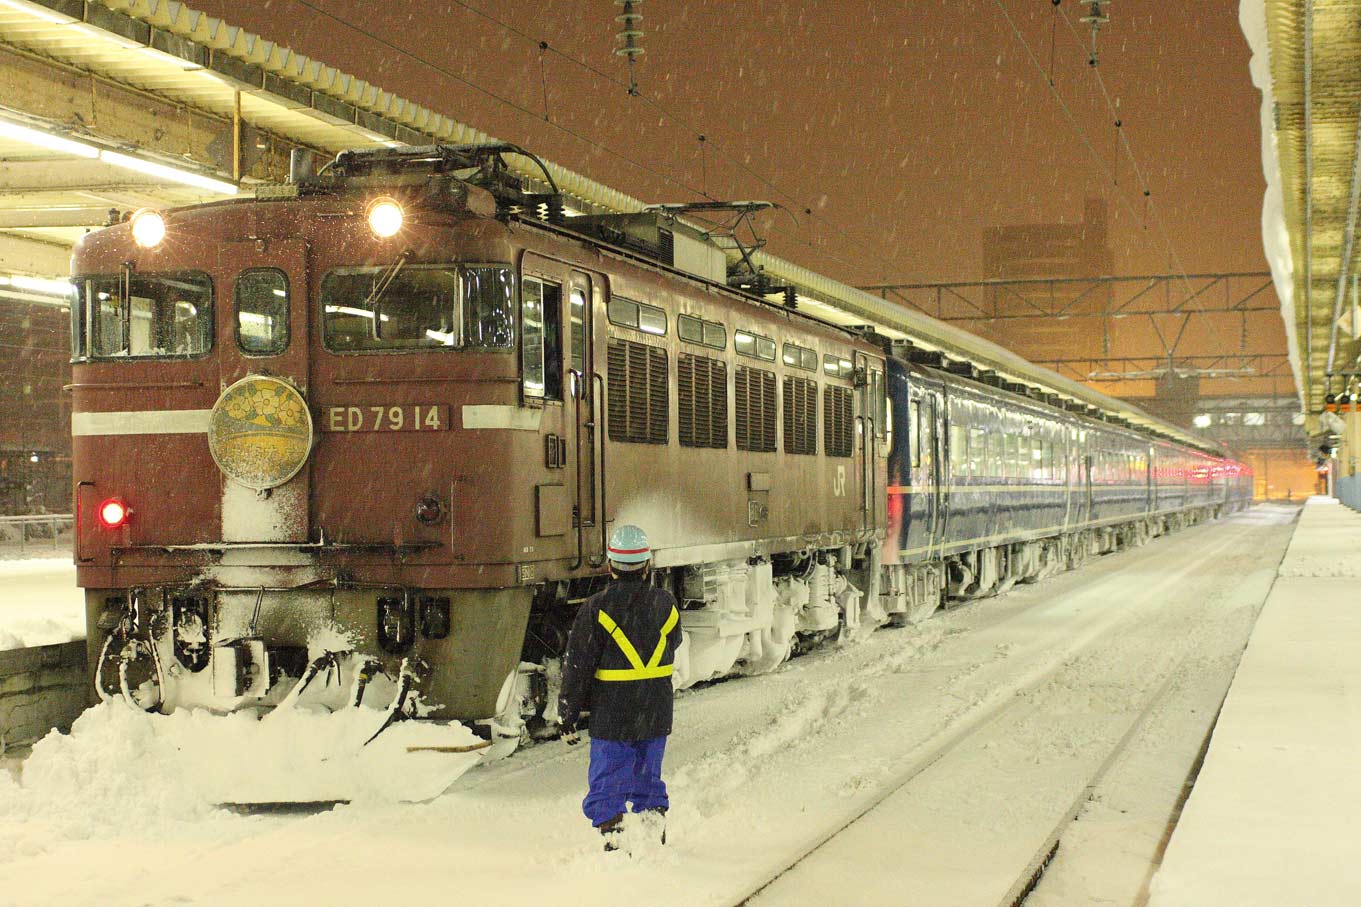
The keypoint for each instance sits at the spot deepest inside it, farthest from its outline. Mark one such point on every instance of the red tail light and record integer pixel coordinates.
(113, 513)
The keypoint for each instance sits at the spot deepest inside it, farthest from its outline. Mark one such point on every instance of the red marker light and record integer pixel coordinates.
(113, 513)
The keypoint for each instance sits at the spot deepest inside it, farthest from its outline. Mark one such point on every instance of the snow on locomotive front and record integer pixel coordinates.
(277, 504)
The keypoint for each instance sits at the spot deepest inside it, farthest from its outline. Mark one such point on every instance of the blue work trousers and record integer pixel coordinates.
(623, 772)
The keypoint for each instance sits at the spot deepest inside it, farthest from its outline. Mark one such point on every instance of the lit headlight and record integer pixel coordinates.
(148, 229)
(385, 217)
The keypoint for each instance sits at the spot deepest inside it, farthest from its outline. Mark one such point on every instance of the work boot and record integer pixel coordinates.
(609, 830)
(656, 816)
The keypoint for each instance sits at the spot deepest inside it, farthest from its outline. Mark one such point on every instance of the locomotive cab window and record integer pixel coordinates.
(144, 316)
(541, 329)
(411, 308)
(262, 311)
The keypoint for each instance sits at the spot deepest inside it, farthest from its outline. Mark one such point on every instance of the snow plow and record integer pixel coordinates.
(264, 734)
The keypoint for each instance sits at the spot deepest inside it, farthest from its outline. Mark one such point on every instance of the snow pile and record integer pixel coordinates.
(40, 603)
(1275, 233)
(121, 767)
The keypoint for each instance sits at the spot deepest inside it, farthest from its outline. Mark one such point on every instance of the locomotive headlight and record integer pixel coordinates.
(385, 217)
(148, 229)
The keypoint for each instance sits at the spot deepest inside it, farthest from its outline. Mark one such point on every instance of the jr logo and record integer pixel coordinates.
(839, 483)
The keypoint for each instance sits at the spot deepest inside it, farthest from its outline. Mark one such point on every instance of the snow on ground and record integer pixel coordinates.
(40, 603)
(1273, 818)
(759, 769)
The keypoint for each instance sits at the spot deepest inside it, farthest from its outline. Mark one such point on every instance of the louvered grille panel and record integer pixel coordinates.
(800, 415)
(638, 395)
(839, 422)
(702, 401)
(755, 399)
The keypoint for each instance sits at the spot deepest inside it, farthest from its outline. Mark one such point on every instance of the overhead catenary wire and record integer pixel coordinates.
(1174, 259)
(1150, 205)
(599, 146)
(701, 137)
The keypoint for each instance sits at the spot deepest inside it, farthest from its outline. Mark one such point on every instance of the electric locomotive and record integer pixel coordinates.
(378, 423)
(374, 427)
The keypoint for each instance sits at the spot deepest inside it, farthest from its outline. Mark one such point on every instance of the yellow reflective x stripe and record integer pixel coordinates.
(635, 673)
(612, 628)
(657, 653)
(639, 671)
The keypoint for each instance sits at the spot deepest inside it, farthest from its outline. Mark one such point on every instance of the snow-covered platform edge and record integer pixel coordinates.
(1275, 815)
(41, 688)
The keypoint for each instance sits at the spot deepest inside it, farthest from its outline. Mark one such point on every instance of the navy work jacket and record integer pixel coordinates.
(619, 660)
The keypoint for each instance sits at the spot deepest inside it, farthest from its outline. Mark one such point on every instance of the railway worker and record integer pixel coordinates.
(608, 672)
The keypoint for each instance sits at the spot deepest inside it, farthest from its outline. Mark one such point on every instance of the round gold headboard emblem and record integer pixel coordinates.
(260, 432)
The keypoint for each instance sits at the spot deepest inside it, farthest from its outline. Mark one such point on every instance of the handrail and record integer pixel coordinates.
(578, 389)
(602, 517)
(37, 518)
(55, 522)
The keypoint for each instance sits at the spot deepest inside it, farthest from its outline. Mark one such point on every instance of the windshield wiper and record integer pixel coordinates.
(384, 281)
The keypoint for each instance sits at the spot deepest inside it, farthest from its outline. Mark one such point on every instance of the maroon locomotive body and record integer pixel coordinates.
(376, 419)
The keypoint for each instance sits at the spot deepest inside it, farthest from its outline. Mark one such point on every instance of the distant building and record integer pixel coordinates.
(1023, 251)
(1045, 252)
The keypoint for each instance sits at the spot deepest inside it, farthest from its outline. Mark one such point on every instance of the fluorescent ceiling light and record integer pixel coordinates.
(40, 12)
(46, 140)
(38, 284)
(163, 171)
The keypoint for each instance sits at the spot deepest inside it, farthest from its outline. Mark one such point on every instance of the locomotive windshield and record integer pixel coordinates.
(143, 316)
(418, 307)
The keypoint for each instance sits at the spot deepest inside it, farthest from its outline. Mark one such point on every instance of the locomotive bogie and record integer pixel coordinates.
(235, 648)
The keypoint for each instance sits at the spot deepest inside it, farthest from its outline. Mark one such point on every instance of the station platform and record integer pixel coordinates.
(1275, 814)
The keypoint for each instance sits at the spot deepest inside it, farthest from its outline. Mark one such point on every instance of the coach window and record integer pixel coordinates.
(147, 316)
(262, 311)
(541, 346)
(995, 456)
(977, 451)
(959, 450)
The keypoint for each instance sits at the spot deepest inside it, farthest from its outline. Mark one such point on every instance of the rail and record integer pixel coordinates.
(35, 529)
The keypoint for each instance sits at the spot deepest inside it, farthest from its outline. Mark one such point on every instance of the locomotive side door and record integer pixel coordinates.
(263, 329)
(871, 452)
(928, 415)
(581, 396)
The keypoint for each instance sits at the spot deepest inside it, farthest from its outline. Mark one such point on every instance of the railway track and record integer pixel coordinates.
(982, 721)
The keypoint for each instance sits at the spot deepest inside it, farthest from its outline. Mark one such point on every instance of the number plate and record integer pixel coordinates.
(418, 417)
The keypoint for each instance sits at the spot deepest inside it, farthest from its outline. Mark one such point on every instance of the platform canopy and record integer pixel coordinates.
(1307, 61)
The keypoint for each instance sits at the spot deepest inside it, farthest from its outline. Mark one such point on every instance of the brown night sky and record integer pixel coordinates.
(906, 127)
